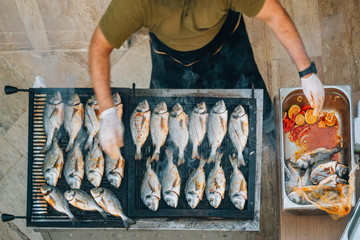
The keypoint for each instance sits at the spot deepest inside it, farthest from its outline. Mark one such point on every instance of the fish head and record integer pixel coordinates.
(160, 108)
(192, 199)
(303, 164)
(200, 108)
(152, 202)
(46, 189)
(176, 110)
(116, 98)
(114, 179)
(55, 98)
(143, 106)
(51, 177)
(74, 100)
(74, 182)
(96, 192)
(171, 199)
(95, 178)
(238, 200)
(238, 112)
(69, 195)
(219, 107)
(342, 171)
(215, 199)
(294, 197)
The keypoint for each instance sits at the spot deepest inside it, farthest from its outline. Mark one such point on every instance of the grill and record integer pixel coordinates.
(40, 214)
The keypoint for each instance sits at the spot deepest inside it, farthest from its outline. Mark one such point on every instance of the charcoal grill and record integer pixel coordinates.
(40, 214)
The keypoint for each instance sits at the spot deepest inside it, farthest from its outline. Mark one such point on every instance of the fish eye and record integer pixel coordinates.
(189, 200)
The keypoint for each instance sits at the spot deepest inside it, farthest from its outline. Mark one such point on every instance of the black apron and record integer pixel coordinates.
(226, 62)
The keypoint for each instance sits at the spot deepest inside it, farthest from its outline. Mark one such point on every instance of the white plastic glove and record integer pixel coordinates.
(111, 133)
(314, 92)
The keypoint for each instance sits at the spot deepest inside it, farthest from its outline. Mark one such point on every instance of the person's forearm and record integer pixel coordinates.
(284, 29)
(99, 63)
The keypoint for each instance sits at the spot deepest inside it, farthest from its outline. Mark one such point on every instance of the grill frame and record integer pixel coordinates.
(187, 223)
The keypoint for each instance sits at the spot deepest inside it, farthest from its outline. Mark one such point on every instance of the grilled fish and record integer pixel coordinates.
(178, 130)
(195, 185)
(74, 167)
(84, 201)
(197, 128)
(239, 131)
(118, 105)
(170, 181)
(238, 186)
(74, 118)
(92, 120)
(215, 184)
(111, 204)
(94, 164)
(308, 159)
(53, 118)
(217, 126)
(140, 125)
(114, 169)
(150, 188)
(56, 199)
(53, 164)
(159, 128)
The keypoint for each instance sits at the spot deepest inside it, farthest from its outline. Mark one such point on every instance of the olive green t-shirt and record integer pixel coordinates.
(182, 25)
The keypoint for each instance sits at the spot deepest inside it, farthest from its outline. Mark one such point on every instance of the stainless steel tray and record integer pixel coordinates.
(338, 99)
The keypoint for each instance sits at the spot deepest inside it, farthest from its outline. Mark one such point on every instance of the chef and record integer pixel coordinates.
(194, 44)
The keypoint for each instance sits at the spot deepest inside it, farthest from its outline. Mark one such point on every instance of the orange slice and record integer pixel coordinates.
(299, 119)
(309, 117)
(293, 110)
(330, 119)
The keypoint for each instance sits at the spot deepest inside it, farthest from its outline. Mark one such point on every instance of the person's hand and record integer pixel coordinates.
(111, 133)
(314, 92)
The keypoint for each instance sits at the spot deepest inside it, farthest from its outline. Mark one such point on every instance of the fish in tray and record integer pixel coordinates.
(140, 126)
(53, 118)
(95, 164)
(238, 186)
(178, 130)
(74, 165)
(84, 201)
(56, 199)
(159, 128)
(326, 168)
(150, 189)
(114, 169)
(73, 118)
(332, 181)
(197, 128)
(239, 131)
(195, 185)
(215, 184)
(310, 158)
(53, 164)
(111, 204)
(170, 181)
(92, 120)
(118, 105)
(217, 127)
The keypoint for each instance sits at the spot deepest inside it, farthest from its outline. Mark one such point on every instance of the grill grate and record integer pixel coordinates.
(40, 214)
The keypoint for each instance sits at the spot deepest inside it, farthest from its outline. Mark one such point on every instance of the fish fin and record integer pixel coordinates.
(89, 143)
(70, 144)
(128, 222)
(241, 160)
(203, 120)
(223, 123)
(103, 213)
(153, 188)
(73, 219)
(155, 156)
(181, 160)
(46, 147)
(234, 161)
(203, 161)
(148, 162)
(177, 182)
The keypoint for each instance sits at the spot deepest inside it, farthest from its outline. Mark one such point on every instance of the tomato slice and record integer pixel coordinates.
(288, 123)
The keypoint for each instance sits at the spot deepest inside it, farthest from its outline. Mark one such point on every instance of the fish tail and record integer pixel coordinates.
(138, 155)
(46, 146)
(181, 158)
(234, 161)
(212, 155)
(240, 158)
(73, 219)
(195, 153)
(128, 222)
(89, 142)
(103, 214)
(148, 161)
(203, 161)
(70, 144)
(156, 155)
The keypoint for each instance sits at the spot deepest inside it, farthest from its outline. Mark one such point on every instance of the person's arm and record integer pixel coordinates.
(99, 63)
(111, 131)
(275, 16)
